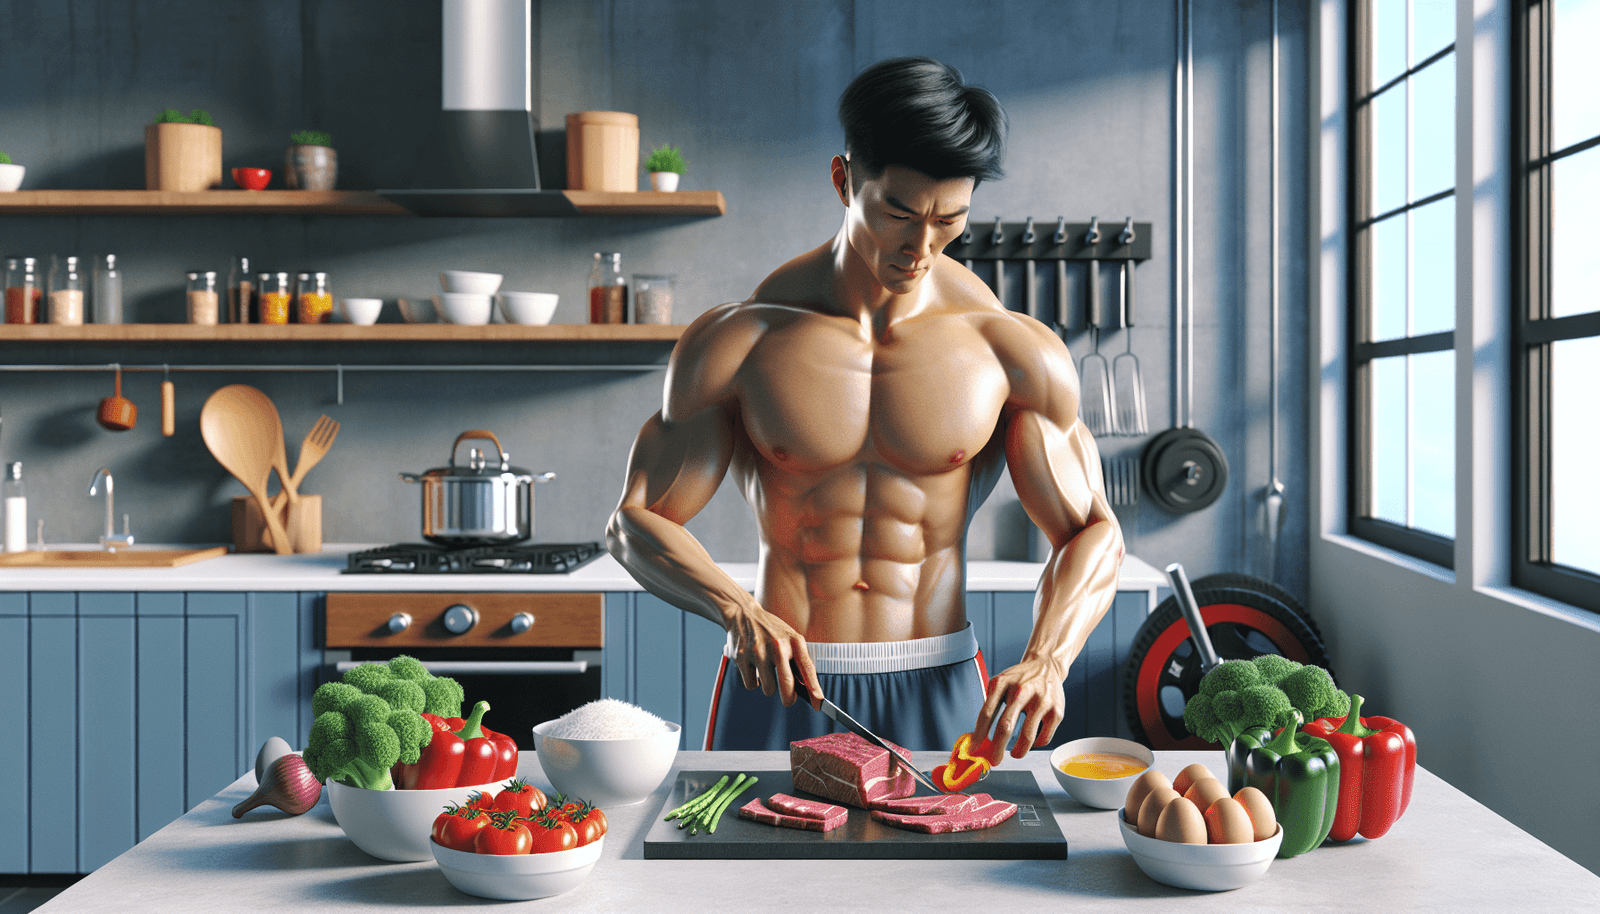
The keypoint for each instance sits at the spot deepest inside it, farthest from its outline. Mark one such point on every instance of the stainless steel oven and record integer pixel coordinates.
(532, 656)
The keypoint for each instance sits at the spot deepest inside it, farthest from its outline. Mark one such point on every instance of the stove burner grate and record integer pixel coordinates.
(514, 558)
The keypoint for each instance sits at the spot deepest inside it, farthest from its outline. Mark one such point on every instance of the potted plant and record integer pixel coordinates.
(10, 175)
(310, 162)
(665, 165)
(182, 152)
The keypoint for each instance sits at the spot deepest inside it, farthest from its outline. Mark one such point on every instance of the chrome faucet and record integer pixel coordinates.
(109, 540)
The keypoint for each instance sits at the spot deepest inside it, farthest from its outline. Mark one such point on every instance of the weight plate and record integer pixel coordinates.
(1184, 470)
(1163, 670)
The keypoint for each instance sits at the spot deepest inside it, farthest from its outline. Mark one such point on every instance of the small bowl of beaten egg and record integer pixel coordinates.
(1097, 770)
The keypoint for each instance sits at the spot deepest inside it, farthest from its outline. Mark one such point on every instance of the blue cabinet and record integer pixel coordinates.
(666, 660)
(138, 707)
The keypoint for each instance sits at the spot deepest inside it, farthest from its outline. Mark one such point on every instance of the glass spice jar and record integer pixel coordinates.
(202, 297)
(652, 298)
(24, 292)
(608, 290)
(107, 302)
(66, 292)
(241, 292)
(272, 299)
(313, 300)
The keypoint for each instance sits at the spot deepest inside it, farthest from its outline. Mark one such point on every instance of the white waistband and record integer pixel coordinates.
(887, 656)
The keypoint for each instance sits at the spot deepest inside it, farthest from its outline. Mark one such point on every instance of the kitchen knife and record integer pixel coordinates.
(837, 715)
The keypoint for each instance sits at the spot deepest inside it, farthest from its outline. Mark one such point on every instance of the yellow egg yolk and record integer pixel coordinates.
(1102, 765)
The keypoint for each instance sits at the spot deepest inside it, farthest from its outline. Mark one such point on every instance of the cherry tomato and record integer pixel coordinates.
(551, 834)
(590, 823)
(504, 835)
(481, 799)
(458, 827)
(520, 797)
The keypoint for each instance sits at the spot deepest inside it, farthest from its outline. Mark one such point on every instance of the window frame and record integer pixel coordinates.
(1359, 95)
(1533, 331)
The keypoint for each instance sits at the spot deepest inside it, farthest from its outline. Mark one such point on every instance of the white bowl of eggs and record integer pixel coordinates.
(1198, 837)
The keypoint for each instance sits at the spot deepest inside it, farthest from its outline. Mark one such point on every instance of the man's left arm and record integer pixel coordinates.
(1055, 467)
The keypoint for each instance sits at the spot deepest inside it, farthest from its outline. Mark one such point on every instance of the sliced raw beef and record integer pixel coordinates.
(847, 768)
(927, 806)
(759, 811)
(805, 809)
(986, 812)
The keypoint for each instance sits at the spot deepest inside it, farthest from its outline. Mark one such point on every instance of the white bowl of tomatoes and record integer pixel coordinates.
(394, 824)
(514, 846)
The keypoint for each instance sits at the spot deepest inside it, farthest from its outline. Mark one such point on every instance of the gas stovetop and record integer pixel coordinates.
(511, 558)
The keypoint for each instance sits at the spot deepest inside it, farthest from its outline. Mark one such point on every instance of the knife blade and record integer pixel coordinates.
(837, 715)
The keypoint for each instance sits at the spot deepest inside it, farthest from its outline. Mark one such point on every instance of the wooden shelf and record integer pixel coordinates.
(362, 203)
(309, 333)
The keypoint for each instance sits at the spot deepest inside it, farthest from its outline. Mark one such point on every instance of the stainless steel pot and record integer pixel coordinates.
(483, 502)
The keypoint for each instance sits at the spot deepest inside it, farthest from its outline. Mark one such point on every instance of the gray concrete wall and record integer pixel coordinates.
(749, 92)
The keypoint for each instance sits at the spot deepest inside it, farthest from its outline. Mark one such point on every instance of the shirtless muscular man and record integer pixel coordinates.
(866, 398)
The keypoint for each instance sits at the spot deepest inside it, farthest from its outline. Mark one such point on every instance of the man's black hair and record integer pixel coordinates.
(920, 113)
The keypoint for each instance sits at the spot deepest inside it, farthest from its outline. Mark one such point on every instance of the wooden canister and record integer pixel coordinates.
(182, 157)
(602, 151)
(304, 526)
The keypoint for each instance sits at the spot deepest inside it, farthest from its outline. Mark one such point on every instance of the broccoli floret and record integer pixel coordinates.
(1274, 667)
(1230, 675)
(1264, 703)
(356, 738)
(376, 679)
(1312, 692)
(442, 696)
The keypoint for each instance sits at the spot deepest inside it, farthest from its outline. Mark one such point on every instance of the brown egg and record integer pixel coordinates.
(1228, 823)
(1263, 820)
(1206, 791)
(1151, 808)
(1181, 823)
(1187, 777)
(1141, 787)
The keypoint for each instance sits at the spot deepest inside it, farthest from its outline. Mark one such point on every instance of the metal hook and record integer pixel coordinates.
(1127, 235)
(1028, 237)
(999, 233)
(1061, 230)
(1093, 235)
(966, 236)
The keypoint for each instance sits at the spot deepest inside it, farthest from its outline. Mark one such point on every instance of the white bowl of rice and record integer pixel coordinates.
(607, 752)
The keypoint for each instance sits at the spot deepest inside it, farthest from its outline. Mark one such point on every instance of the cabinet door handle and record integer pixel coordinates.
(492, 667)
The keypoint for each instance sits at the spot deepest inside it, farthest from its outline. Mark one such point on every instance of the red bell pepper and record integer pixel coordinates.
(1377, 764)
(966, 766)
(481, 754)
(505, 754)
(440, 764)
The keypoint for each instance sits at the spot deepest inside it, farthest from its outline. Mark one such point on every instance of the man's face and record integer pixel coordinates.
(899, 221)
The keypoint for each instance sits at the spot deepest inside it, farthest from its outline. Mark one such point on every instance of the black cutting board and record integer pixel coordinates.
(1030, 834)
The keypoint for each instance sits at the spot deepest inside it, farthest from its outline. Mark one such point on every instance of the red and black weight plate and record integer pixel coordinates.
(1245, 617)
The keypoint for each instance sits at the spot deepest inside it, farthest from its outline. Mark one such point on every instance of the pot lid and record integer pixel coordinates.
(478, 465)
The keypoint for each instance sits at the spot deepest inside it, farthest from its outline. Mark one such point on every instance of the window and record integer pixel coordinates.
(1558, 308)
(1402, 212)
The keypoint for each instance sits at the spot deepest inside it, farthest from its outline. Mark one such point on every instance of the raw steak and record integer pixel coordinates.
(847, 768)
(805, 809)
(986, 812)
(757, 810)
(927, 806)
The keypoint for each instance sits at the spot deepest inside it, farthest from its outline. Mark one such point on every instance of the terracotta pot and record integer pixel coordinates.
(310, 168)
(182, 157)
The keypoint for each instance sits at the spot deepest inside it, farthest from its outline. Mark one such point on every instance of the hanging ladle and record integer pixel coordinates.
(117, 413)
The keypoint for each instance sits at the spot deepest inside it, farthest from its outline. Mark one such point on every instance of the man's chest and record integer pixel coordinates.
(925, 401)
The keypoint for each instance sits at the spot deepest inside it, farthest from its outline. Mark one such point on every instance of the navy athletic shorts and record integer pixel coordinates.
(918, 694)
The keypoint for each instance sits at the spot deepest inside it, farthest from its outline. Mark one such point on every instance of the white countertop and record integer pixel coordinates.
(1448, 853)
(321, 573)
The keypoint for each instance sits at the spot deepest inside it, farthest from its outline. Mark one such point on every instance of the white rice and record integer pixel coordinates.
(607, 718)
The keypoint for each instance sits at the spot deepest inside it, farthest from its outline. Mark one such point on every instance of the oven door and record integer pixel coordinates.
(532, 656)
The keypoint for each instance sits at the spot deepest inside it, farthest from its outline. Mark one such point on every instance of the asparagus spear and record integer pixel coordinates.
(698, 801)
(703, 818)
(727, 801)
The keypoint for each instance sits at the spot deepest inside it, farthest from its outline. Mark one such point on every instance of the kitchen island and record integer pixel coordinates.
(1448, 853)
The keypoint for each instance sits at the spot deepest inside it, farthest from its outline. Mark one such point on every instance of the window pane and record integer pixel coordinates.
(1389, 278)
(1389, 151)
(1433, 267)
(1575, 234)
(1433, 446)
(1575, 71)
(1574, 442)
(1388, 40)
(1389, 440)
(1433, 128)
(1433, 26)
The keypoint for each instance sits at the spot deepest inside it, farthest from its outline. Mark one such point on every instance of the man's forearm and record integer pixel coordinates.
(669, 562)
(1078, 585)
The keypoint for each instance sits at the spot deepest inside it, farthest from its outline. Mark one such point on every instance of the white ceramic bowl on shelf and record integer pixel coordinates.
(418, 311)
(1205, 867)
(528, 307)
(394, 824)
(1101, 793)
(361, 310)
(517, 877)
(469, 308)
(468, 281)
(607, 772)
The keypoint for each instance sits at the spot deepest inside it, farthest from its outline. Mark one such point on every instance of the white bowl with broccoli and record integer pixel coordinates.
(395, 825)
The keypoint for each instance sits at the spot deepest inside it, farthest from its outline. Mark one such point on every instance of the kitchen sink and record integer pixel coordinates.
(123, 558)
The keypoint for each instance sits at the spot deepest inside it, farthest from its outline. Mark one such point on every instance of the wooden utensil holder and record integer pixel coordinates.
(304, 524)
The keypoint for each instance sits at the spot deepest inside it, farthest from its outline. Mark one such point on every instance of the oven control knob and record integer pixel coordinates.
(460, 618)
(398, 623)
(521, 622)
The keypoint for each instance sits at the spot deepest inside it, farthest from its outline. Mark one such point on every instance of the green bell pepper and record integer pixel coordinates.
(1298, 772)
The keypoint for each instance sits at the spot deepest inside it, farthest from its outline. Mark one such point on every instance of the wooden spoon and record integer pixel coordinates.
(242, 430)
